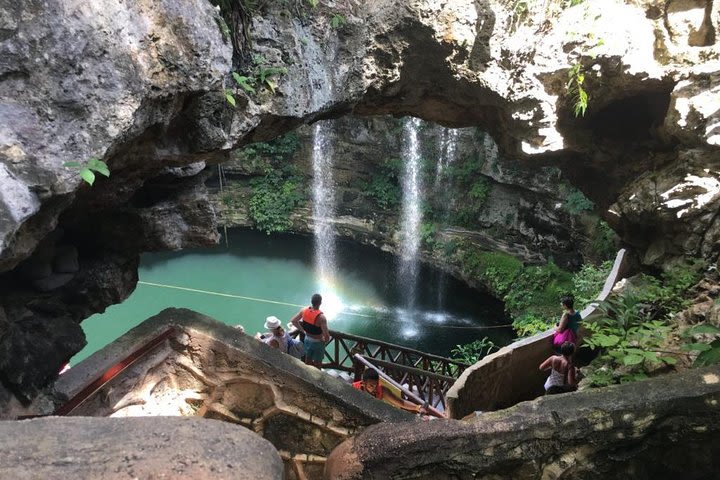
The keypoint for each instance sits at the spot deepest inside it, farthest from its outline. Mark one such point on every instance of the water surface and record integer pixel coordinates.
(363, 299)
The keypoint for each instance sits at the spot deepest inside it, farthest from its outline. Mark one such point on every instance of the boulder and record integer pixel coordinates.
(667, 427)
(151, 447)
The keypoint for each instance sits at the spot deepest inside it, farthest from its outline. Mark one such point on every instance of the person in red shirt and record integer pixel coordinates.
(370, 383)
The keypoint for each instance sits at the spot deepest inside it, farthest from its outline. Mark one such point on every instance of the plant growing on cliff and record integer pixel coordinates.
(88, 169)
(575, 202)
(273, 200)
(588, 283)
(338, 21)
(575, 88)
(471, 353)
(384, 187)
(262, 75)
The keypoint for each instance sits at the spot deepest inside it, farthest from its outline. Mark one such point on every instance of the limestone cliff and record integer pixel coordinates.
(469, 193)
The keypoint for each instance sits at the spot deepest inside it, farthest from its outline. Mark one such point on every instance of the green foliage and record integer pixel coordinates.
(668, 294)
(575, 202)
(245, 82)
(261, 76)
(277, 193)
(636, 324)
(529, 324)
(273, 200)
(383, 188)
(480, 190)
(471, 353)
(603, 244)
(576, 90)
(538, 290)
(313, 3)
(230, 97)
(469, 209)
(629, 341)
(588, 282)
(275, 153)
(497, 270)
(88, 169)
(427, 235)
(338, 21)
(709, 352)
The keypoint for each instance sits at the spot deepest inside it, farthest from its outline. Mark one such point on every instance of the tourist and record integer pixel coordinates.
(276, 334)
(567, 328)
(295, 347)
(370, 383)
(312, 322)
(562, 371)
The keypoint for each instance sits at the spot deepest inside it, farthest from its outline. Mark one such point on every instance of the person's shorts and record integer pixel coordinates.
(314, 349)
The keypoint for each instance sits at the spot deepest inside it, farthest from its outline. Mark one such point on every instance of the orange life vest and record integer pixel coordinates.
(378, 391)
(309, 321)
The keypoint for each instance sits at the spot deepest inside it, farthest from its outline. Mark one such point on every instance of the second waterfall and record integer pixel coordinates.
(323, 203)
(410, 213)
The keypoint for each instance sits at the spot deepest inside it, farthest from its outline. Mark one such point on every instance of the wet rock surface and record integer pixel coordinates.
(113, 448)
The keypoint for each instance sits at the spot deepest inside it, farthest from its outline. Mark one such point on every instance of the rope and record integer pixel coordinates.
(275, 302)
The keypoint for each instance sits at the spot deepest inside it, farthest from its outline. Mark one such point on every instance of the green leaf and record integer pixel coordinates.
(72, 164)
(700, 347)
(99, 166)
(709, 357)
(229, 97)
(607, 340)
(270, 85)
(87, 175)
(313, 3)
(669, 360)
(703, 329)
(632, 359)
(244, 82)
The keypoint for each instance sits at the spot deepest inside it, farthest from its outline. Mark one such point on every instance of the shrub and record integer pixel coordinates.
(575, 202)
(384, 188)
(628, 340)
(473, 352)
(588, 283)
(529, 324)
(273, 200)
(603, 244)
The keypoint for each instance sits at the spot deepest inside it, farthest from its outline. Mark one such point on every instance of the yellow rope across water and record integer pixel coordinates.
(275, 302)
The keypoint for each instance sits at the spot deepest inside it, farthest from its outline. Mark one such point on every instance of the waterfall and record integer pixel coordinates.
(410, 214)
(446, 157)
(323, 202)
(447, 153)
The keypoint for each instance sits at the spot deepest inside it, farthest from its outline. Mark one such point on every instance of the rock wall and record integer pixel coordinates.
(519, 210)
(600, 434)
(141, 85)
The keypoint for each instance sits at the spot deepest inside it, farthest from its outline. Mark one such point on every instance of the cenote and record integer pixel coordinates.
(259, 275)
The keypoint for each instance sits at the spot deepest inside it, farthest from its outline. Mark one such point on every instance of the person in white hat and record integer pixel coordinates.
(276, 337)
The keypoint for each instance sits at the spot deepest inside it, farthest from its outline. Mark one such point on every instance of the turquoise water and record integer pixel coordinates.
(364, 298)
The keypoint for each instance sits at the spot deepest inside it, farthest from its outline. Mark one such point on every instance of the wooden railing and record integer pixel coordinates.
(429, 375)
